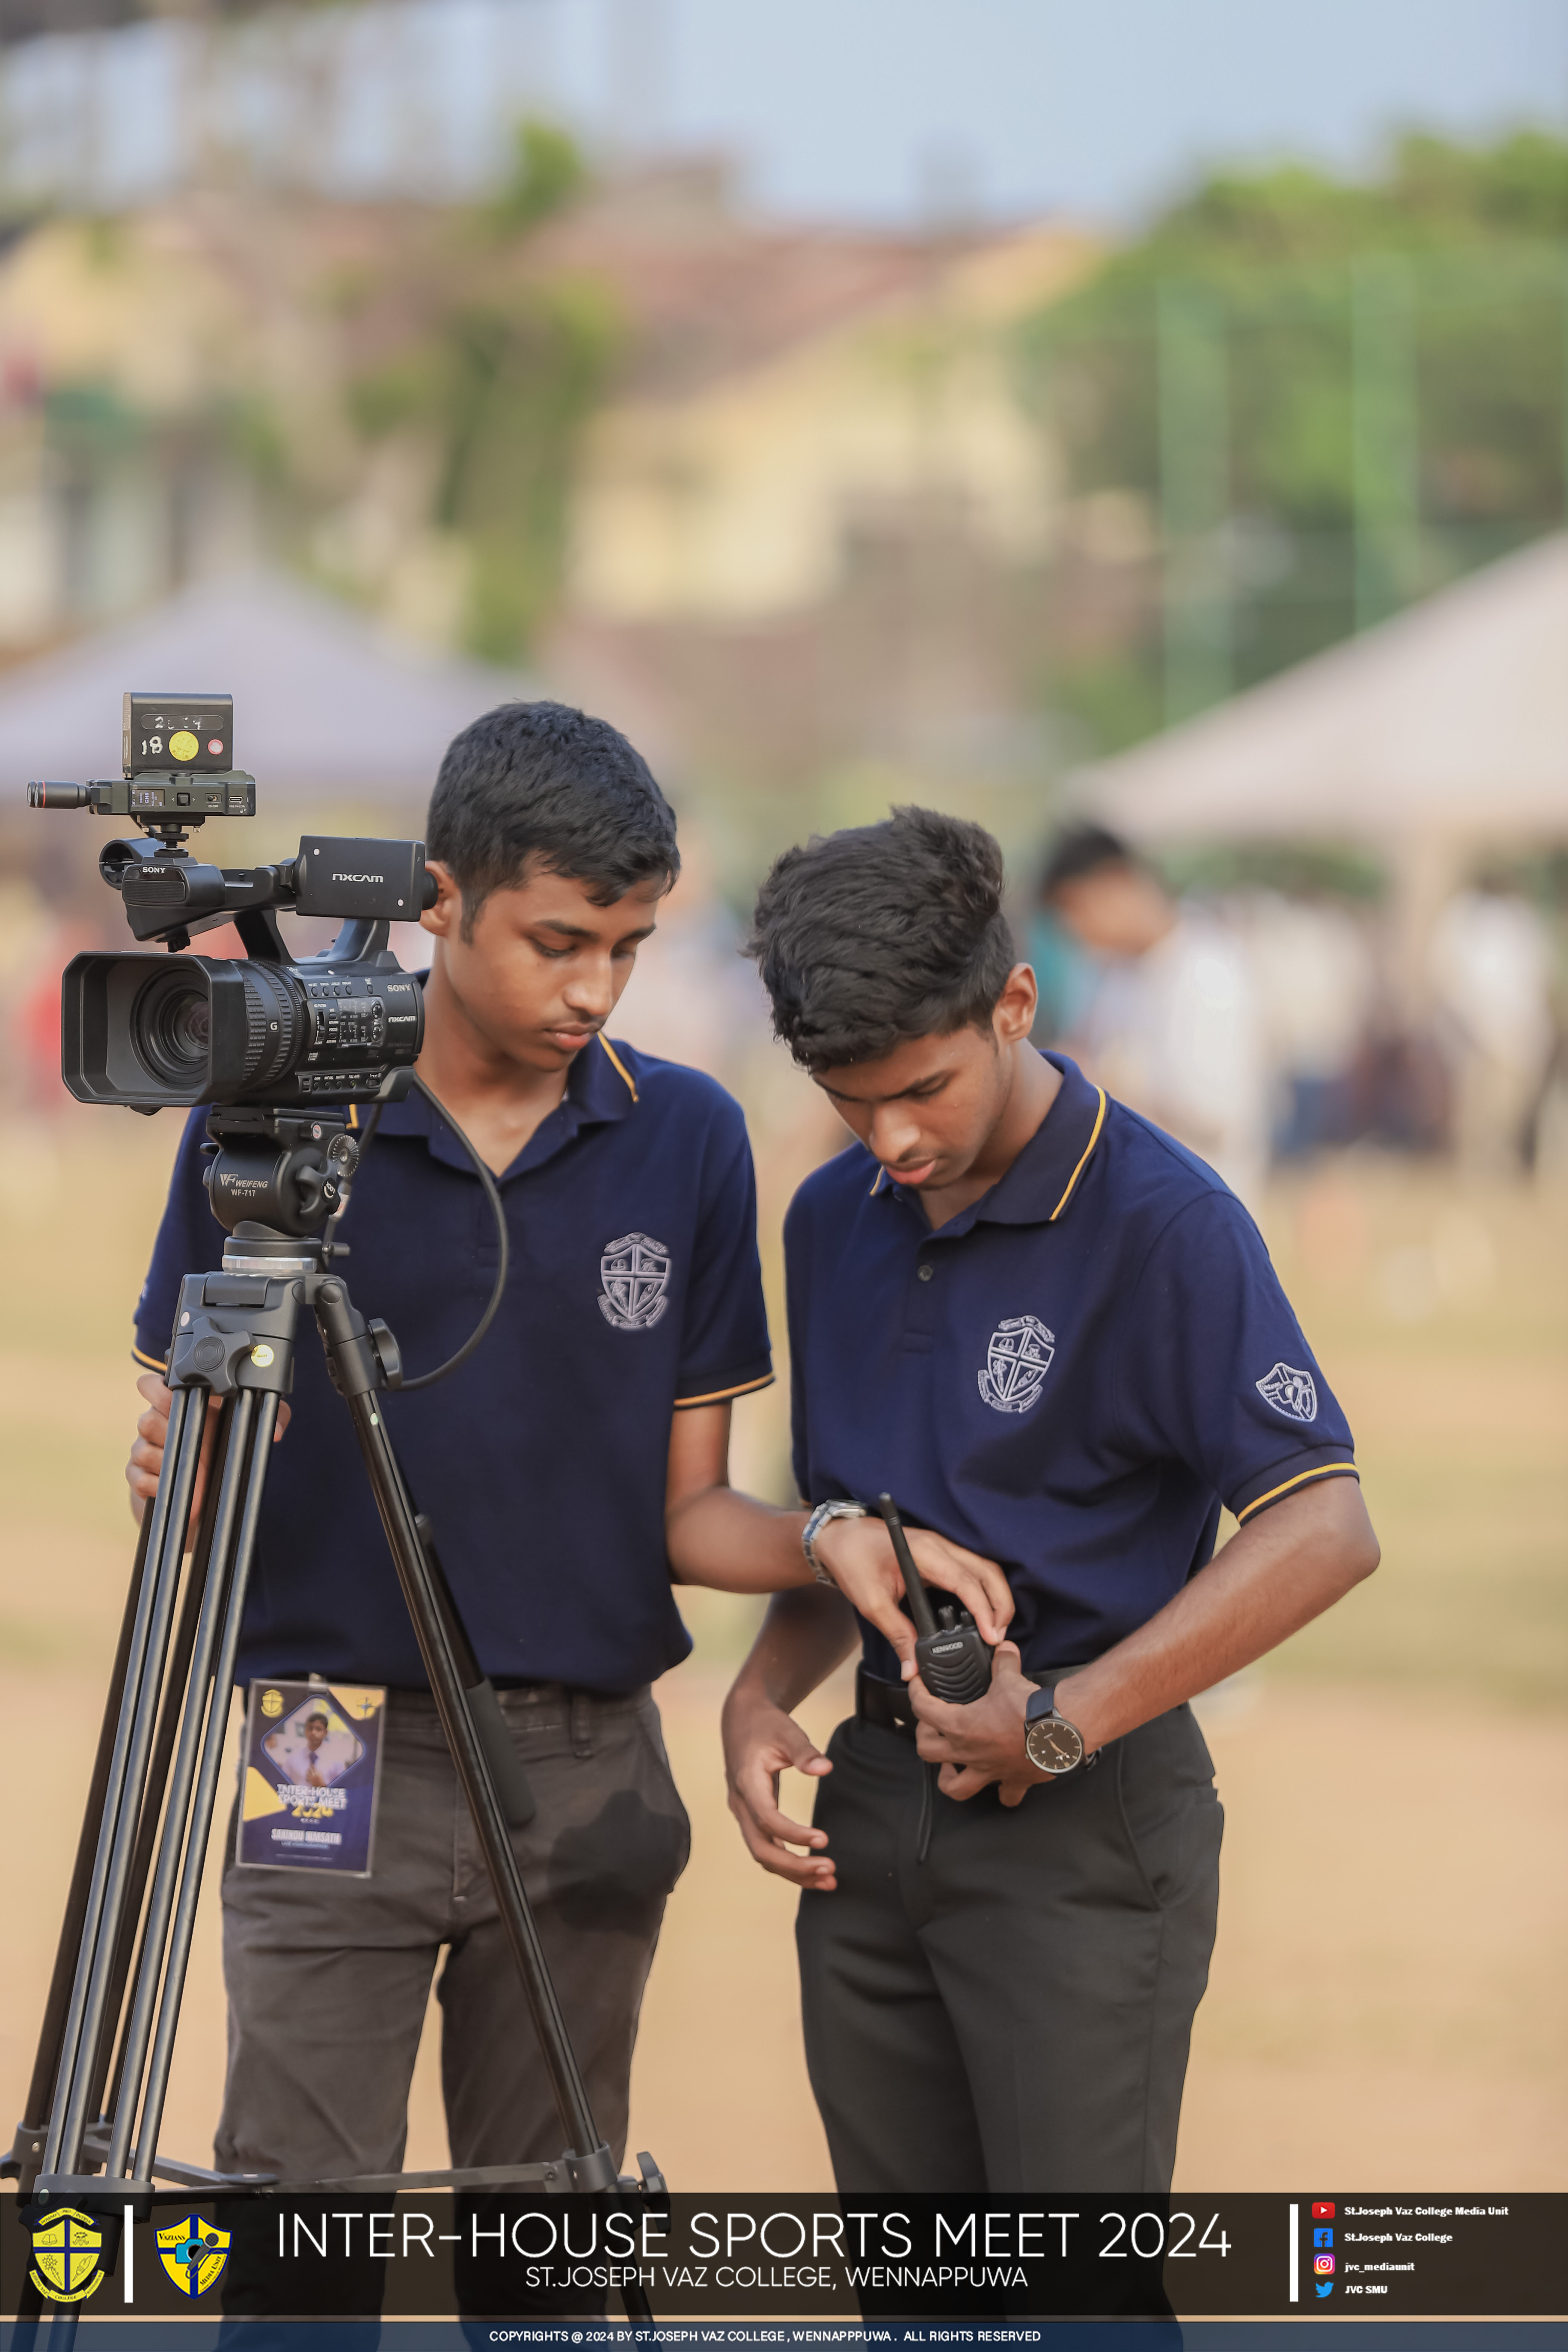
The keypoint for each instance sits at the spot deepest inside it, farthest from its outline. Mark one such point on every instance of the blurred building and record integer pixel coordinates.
(118, 347)
(802, 502)
(812, 522)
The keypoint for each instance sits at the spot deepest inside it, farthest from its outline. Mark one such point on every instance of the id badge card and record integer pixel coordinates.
(311, 1777)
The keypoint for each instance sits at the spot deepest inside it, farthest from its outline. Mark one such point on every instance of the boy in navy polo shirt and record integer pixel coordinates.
(1052, 1334)
(597, 1407)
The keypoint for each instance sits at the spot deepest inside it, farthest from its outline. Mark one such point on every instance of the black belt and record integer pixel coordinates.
(887, 1705)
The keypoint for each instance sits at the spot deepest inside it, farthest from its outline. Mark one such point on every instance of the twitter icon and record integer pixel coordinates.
(1324, 2286)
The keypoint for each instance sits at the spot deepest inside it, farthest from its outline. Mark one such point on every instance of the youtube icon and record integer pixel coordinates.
(1323, 2213)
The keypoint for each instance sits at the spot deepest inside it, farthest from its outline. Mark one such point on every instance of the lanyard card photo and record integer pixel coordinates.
(311, 1776)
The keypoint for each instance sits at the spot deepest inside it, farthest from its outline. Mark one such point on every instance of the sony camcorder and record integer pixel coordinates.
(152, 1031)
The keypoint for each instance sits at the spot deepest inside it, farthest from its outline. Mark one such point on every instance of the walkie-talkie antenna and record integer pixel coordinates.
(953, 1662)
(920, 1599)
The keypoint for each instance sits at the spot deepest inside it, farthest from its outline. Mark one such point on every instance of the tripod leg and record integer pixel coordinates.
(506, 1767)
(210, 1771)
(175, 1687)
(170, 1514)
(355, 1375)
(230, 1477)
(27, 2151)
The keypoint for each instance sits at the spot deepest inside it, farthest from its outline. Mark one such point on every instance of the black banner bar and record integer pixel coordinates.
(959, 2262)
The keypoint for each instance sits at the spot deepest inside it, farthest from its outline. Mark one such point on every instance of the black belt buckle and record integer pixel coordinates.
(887, 1705)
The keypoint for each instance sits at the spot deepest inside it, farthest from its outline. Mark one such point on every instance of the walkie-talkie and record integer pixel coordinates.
(955, 1662)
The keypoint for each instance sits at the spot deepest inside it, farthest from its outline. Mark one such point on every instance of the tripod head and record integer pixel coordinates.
(275, 1180)
(274, 1175)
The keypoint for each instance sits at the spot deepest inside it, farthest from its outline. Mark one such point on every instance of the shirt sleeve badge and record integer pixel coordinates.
(1016, 1361)
(634, 1278)
(1293, 1393)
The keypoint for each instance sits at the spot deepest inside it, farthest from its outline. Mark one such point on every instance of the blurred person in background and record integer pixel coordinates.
(1064, 974)
(1313, 970)
(1173, 1026)
(1491, 968)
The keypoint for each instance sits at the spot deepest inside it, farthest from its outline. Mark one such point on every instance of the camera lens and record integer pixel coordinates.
(271, 1021)
(171, 1028)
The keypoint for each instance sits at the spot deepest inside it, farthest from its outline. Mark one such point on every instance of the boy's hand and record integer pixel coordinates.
(760, 1742)
(859, 1556)
(152, 1435)
(983, 1741)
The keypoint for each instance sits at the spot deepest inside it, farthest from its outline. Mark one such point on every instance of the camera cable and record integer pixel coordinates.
(503, 1250)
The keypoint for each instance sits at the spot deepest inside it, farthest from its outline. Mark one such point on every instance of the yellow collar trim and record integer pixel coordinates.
(1078, 1172)
(620, 1067)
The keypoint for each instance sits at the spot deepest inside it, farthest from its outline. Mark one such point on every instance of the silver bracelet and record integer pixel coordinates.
(813, 1529)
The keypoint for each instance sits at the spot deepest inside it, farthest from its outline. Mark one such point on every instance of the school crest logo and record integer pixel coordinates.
(634, 1278)
(1292, 1392)
(68, 2247)
(193, 2253)
(1016, 1362)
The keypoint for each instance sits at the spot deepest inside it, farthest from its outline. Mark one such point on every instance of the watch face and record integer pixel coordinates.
(1053, 1746)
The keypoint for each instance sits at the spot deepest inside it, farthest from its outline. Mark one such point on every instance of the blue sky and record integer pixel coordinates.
(875, 111)
(857, 108)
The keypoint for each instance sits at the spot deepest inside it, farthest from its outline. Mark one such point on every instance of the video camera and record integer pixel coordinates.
(338, 1027)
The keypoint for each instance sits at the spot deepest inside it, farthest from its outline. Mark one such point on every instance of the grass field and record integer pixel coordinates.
(1385, 2009)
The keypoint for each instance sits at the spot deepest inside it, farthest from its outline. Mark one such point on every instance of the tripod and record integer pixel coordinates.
(101, 2071)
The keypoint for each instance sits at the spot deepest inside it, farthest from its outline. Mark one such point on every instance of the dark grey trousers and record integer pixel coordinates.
(1013, 2012)
(329, 1977)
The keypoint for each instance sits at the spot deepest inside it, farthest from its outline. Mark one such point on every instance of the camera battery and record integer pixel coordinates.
(185, 734)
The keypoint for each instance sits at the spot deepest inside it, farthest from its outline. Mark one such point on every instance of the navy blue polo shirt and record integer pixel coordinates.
(1070, 1375)
(634, 1289)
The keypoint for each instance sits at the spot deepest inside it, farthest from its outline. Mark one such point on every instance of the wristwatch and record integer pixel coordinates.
(813, 1529)
(1052, 1744)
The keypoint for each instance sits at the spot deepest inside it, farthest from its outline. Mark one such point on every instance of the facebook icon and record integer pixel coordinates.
(1323, 2237)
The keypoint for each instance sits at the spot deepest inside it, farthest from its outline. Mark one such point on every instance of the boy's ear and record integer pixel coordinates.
(1013, 1017)
(445, 917)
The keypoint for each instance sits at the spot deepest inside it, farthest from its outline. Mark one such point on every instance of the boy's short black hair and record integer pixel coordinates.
(882, 932)
(538, 780)
(1082, 849)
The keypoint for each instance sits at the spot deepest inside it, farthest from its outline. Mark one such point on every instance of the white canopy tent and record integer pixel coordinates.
(1436, 735)
(1451, 718)
(327, 707)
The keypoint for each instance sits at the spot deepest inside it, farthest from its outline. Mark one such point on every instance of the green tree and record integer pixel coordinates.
(1389, 356)
(547, 173)
(500, 360)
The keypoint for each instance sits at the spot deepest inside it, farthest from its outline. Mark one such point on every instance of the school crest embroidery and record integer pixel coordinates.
(66, 2249)
(634, 1278)
(193, 2253)
(1292, 1392)
(1016, 1361)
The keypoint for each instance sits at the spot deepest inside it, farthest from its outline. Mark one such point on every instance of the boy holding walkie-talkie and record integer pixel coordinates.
(1030, 1326)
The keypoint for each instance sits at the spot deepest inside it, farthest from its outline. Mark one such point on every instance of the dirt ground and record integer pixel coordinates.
(1385, 2008)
